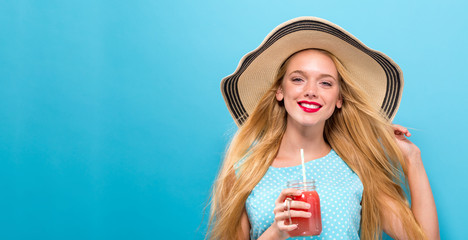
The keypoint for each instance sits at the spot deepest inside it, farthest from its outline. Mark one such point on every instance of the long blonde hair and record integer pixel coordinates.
(358, 133)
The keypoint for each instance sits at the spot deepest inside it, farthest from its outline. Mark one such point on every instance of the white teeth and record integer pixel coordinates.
(309, 105)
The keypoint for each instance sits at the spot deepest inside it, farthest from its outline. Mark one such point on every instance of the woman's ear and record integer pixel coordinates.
(279, 94)
(339, 103)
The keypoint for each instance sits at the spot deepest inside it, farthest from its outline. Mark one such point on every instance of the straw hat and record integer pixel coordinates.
(376, 73)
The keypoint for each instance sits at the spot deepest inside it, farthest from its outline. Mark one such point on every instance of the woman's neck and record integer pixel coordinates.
(308, 138)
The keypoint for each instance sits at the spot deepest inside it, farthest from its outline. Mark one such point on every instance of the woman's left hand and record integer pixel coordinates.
(410, 151)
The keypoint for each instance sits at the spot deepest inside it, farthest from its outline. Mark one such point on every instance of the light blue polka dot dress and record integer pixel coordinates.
(339, 189)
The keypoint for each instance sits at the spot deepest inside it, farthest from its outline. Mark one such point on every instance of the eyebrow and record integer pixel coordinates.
(304, 73)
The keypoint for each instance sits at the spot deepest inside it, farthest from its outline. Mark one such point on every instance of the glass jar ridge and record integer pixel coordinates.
(308, 185)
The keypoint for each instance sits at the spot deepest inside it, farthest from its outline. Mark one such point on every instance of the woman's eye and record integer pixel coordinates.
(296, 79)
(328, 84)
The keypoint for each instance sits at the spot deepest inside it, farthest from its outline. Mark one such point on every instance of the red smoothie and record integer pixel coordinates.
(307, 226)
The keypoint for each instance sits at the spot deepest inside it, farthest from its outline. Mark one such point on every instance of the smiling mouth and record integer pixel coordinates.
(309, 106)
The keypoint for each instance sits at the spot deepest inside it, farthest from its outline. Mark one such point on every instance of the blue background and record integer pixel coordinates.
(113, 126)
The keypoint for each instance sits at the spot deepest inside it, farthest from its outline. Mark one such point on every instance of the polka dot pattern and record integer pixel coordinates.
(339, 189)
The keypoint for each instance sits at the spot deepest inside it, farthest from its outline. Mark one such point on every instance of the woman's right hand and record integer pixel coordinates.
(282, 215)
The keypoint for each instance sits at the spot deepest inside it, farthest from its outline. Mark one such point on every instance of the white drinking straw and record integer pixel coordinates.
(303, 166)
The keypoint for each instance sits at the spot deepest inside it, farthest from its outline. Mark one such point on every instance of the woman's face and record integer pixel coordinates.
(310, 88)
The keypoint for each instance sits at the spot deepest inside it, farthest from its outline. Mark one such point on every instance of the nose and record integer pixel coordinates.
(310, 90)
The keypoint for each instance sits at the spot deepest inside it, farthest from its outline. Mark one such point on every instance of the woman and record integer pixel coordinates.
(311, 85)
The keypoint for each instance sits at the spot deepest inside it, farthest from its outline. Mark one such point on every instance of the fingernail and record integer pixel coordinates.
(309, 214)
(307, 205)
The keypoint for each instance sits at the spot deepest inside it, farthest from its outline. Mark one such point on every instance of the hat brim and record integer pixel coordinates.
(376, 73)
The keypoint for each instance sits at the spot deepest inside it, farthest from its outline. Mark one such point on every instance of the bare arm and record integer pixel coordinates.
(245, 225)
(422, 200)
(271, 233)
(278, 230)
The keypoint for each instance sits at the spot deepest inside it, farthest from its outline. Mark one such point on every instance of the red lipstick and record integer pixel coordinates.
(317, 106)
